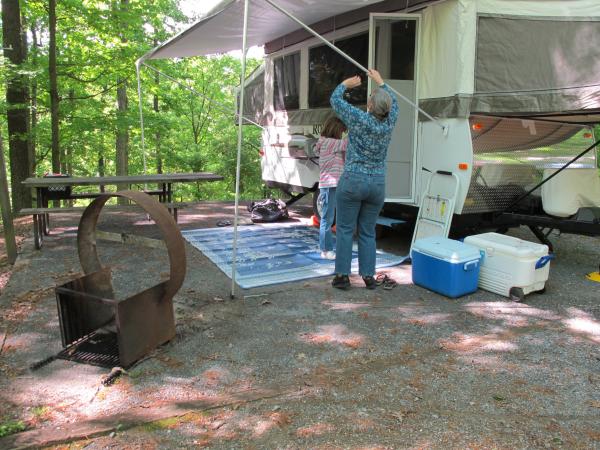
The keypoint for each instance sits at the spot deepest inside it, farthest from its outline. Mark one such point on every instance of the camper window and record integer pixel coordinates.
(327, 69)
(402, 50)
(286, 82)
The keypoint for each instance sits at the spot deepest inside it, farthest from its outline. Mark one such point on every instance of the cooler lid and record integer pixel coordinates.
(508, 245)
(446, 249)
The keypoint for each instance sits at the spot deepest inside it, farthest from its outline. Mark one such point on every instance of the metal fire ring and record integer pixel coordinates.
(86, 236)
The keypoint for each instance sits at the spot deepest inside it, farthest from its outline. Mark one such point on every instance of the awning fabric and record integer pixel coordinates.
(220, 30)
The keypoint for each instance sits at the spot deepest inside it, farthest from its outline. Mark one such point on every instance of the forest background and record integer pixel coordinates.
(69, 100)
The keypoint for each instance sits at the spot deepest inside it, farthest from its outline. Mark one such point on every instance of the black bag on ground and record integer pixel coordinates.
(268, 210)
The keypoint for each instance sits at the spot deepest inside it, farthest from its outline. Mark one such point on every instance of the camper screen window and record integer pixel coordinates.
(286, 82)
(327, 69)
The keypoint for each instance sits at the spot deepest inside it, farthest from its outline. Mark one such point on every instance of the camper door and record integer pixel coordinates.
(393, 51)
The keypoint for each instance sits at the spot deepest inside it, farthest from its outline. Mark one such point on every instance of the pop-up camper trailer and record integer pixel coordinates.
(499, 93)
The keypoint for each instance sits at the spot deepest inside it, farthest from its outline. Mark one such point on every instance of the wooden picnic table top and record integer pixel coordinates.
(162, 178)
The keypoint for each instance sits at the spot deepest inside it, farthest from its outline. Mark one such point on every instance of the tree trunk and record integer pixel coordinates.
(122, 141)
(7, 221)
(67, 149)
(101, 167)
(159, 162)
(32, 136)
(122, 136)
(17, 98)
(54, 99)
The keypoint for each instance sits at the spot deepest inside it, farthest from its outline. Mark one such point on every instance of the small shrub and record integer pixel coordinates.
(11, 427)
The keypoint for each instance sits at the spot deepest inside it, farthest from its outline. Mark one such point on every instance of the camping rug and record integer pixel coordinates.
(268, 254)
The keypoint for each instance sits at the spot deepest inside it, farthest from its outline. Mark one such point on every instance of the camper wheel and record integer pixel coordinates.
(516, 294)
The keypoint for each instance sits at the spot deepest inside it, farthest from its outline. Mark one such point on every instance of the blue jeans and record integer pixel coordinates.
(360, 198)
(327, 202)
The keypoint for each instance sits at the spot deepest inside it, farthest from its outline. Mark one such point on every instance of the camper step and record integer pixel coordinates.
(389, 222)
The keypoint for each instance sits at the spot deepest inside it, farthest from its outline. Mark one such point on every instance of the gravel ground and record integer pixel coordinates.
(302, 365)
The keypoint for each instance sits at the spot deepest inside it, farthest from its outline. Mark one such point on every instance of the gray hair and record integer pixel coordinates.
(380, 103)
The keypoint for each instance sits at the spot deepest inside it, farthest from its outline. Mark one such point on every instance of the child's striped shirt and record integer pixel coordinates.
(332, 153)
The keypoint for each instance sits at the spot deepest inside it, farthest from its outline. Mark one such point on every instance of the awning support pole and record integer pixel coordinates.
(223, 108)
(356, 63)
(239, 148)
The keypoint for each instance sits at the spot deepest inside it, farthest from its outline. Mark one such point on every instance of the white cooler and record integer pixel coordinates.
(511, 267)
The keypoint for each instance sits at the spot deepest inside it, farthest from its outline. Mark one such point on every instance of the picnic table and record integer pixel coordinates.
(60, 188)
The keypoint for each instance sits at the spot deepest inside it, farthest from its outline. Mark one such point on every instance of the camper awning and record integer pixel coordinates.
(220, 30)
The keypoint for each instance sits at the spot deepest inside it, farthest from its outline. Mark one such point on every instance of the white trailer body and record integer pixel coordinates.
(509, 93)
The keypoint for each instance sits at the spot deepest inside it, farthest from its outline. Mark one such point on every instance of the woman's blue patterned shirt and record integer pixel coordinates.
(368, 137)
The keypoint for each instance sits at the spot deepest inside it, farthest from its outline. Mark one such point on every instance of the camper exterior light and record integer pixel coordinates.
(477, 127)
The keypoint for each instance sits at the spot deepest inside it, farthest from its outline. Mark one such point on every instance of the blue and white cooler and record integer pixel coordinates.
(445, 266)
(511, 267)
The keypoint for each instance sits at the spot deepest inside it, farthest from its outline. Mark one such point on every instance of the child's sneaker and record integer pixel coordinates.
(341, 282)
(328, 255)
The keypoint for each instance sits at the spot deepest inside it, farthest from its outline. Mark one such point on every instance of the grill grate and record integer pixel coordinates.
(99, 348)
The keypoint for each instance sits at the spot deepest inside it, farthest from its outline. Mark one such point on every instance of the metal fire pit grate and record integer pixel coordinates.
(99, 348)
(97, 328)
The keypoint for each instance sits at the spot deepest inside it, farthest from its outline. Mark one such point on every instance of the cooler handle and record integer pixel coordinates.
(544, 260)
(470, 265)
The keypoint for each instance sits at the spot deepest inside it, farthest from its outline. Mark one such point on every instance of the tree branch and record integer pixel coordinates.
(98, 93)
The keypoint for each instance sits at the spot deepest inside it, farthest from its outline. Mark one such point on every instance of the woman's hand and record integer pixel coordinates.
(352, 82)
(375, 76)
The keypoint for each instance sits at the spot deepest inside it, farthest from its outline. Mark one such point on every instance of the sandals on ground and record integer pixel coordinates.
(385, 281)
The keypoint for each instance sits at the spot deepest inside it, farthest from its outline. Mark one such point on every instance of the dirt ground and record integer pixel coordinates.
(302, 365)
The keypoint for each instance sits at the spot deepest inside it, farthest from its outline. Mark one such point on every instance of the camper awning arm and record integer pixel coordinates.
(356, 63)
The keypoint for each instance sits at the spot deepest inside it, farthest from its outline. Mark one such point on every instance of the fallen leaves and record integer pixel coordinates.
(280, 418)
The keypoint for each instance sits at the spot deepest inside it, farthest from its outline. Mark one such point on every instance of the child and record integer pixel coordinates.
(331, 149)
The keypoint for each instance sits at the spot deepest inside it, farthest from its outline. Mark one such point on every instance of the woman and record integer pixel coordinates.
(361, 189)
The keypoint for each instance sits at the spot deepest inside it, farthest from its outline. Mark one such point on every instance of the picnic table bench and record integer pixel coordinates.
(60, 188)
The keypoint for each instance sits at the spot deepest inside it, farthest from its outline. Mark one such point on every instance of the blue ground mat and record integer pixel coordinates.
(272, 254)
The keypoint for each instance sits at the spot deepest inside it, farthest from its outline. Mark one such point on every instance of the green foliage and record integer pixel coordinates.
(11, 427)
(40, 411)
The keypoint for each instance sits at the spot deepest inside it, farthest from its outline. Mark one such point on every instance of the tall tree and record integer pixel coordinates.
(34, 97)
(54, 98)
(17, 114)
(159, 162)
(122, 126)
